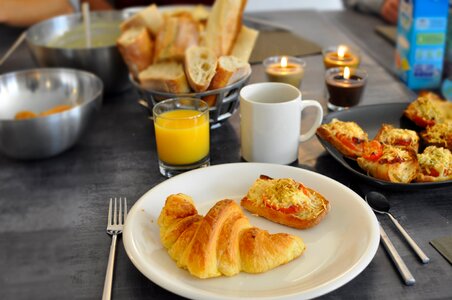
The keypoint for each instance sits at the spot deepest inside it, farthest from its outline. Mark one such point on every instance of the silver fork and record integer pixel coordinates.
(114, 228)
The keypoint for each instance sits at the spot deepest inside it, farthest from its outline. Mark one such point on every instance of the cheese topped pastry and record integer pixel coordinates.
(426, 111)
(398, 137)
(347, 137)
(285, 201)
(390, 163)
(435, 164)
(439, 135)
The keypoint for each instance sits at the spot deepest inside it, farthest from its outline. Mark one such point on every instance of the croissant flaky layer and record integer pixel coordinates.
(222, 242)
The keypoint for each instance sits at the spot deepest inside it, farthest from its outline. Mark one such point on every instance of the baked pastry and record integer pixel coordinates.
(166, 77)
(435, 164)
(438, 135)
(176, 35)
(229, 70)
(223, 25)
(286, 202)
(389, 163)
(426, 111)
(150, 18)
(398, 137)
(223, 242)
(200, 67)
(136, 48)
(347, 137)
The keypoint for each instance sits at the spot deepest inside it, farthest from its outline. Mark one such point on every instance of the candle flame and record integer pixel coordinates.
(341, 51)
(347, 73)
(284, 62)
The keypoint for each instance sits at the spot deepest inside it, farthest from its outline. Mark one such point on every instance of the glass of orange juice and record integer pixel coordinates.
(182, 135)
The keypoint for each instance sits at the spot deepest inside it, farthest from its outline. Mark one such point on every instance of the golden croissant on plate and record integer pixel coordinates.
(222, 242)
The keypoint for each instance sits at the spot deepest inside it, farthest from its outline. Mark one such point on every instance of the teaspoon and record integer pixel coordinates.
(380, 204)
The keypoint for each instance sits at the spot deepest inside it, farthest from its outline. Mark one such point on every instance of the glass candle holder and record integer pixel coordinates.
(345, 87)
(340, 56)
(286, 69)
(182, 135)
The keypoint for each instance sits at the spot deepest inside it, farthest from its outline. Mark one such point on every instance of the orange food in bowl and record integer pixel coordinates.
(25, 114)
(55, 109)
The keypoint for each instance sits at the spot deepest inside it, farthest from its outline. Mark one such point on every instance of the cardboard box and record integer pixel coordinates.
(421, 40)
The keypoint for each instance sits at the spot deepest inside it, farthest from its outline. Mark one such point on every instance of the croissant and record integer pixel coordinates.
(222, 242)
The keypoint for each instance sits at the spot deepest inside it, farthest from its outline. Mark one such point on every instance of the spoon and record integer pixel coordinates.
(380, 204)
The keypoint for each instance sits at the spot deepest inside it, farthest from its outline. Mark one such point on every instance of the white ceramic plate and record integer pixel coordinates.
(338, 249)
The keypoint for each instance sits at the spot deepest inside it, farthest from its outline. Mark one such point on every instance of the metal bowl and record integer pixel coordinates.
(38, 90)
(105, 62)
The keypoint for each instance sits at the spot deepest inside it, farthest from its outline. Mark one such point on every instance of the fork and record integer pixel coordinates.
(114, 228)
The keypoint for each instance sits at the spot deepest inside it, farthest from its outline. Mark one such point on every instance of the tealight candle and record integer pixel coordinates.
(345, 87)
(340, 56)
(286, 69)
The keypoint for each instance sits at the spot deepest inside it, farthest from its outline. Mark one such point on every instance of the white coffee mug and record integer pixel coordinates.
(270, 122)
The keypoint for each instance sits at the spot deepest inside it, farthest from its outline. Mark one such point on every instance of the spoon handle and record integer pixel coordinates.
(410, 241)
(398, 261)
(10, 51)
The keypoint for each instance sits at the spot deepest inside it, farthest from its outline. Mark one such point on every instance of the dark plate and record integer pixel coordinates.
(370, 118)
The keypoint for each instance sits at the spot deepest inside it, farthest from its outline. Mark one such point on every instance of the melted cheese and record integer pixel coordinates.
(393, 136)
(439, 133)
(428, 108)
(284, 193)
(349, 129)
(436, 158)
(393, 154)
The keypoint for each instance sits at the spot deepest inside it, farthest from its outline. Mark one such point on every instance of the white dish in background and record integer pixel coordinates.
(338, 249)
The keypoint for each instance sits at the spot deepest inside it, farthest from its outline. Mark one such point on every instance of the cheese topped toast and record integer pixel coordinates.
(398, 137)
(438, 135)
(391, 163)
(347, 137)
(286, 202)
(435, 164)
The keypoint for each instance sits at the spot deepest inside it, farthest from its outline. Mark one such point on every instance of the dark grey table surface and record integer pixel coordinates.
(53, 243)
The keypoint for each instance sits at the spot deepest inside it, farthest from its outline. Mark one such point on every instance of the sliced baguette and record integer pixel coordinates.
(136, 48)
(166, 77)
(244, 44)
(283, 193)
(229, 70)
(150, 17)
(200, 66)
(177, 34)
(223, 25)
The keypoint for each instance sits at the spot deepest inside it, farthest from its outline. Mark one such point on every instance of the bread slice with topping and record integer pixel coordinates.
(285, 201)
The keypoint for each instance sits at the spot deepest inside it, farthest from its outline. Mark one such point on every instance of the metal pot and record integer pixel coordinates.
(105, 62)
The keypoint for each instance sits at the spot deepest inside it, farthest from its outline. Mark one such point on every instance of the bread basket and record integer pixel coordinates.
(227, 99)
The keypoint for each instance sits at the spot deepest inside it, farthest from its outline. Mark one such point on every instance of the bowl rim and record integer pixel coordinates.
(96, 94)
(77, 15)
(196, 95)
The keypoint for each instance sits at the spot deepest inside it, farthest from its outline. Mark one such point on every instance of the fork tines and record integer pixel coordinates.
(115, 217)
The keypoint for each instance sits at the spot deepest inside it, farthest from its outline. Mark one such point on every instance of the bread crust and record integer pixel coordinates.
(289, 219)
(391, 166)
(150, 18)
(200, 67)
(136, 48)
(174, 83)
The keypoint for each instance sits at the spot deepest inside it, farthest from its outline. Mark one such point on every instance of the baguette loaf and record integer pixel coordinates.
(244, 44)
(166, 77)
(200, 66)
(229, 70)
(223, 25)
(223, 242)
(286, 202)
(177, 34)
(136, 48)
(150, 17)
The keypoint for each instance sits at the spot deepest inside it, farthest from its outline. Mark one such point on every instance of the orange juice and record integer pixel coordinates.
(182, 136)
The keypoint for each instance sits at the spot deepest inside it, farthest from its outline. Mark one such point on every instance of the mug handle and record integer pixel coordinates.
(318, 118)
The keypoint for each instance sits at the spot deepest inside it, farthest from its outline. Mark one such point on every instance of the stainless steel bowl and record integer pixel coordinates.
(38, 90)
(105, 62)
